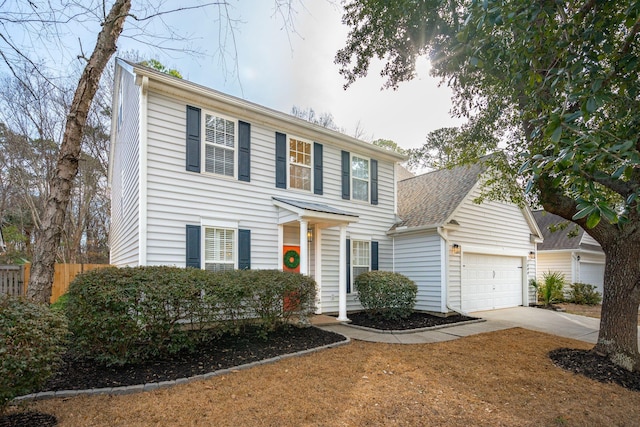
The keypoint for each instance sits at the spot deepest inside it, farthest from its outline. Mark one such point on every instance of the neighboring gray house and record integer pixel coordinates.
(569, 250)
(199, 178)
(464, 256)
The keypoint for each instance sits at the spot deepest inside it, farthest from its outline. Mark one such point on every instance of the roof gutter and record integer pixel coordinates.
(164, 83)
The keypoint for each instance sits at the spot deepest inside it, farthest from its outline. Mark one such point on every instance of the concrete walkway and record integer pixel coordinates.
(552, 322)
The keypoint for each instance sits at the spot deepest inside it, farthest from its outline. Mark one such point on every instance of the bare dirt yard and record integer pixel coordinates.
(503, 378)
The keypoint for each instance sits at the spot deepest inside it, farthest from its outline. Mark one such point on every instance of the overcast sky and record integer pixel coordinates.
(278, 68)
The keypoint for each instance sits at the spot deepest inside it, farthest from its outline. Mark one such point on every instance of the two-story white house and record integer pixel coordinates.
(203, 179)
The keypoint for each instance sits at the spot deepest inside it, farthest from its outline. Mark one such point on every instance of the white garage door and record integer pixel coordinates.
(491, 281)
(593, 274)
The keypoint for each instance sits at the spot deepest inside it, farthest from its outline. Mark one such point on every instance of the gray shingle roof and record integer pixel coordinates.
(568, 238)
(431, 198)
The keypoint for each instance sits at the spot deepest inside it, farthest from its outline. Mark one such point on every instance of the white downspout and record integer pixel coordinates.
(445, 274)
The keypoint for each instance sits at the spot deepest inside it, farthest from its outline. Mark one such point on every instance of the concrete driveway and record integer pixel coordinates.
(552, 322)
(549, 321)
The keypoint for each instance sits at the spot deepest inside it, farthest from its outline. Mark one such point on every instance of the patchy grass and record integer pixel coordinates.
(501, 378)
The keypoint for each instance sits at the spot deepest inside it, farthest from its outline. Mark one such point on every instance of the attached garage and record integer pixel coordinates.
(464, 256)
(593, 274)
(491, 281)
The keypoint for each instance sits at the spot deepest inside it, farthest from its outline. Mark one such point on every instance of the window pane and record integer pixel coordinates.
(360, 168)
(219, 248)
(300, 177)
(299, 164)
(360, 189)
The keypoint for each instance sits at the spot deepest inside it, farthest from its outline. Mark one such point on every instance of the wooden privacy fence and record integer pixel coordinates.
(17, 277)
(12, 279)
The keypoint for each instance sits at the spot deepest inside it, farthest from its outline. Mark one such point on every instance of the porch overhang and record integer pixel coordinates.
(321, 216)
(317, 213)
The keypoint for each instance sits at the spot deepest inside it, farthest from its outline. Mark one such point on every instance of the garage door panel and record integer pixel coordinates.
(491, 281)
(592, 274)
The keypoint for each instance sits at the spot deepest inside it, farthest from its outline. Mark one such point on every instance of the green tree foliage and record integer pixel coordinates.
(159, 66)
(558, 81)
(390, 145)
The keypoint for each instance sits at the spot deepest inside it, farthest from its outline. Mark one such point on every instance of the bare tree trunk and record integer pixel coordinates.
(44, 256)
(618, 336)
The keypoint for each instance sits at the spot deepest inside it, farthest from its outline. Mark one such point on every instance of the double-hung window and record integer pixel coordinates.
(360, 258)
(299, 164)
(360, 178)
(220, 145)
(219, 249)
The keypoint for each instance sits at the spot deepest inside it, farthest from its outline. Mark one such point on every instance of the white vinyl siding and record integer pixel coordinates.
(219, 145)
(555, 262)
(219, 249)
(360, 178)
(125, 177)
(418, 256)
(300, 164)
(176, 197)
(493, 228)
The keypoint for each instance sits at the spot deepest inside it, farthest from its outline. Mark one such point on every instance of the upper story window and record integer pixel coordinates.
(360, 178)
(299, 164)
(214, 144)
(220, 144)
(219, 249)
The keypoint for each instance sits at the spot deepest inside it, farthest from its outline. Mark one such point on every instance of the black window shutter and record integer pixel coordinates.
(244, 249)
(317, 168)
(193, 246)
(348, 266)
(374, 256)
(281, 160)
(374, 182)
(346, 175)
(244, 151)
(193, 139)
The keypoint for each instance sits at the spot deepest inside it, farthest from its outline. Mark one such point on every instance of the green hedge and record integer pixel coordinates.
(386, 294)
(129, 315)
(32, 339)
(584, 293)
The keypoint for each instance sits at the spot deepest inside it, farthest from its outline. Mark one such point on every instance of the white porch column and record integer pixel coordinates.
(304, 248)
(318, 270)
(342, 281)
(280, 245)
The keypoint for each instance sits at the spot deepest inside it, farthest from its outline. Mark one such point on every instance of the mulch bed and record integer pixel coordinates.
(594, 366)
(28, 419)
(415, 321)
(221, 353)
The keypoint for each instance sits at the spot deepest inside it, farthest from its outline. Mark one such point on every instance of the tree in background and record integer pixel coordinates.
(390, 145)
(323, 119)
(42, 22)
(559, 82)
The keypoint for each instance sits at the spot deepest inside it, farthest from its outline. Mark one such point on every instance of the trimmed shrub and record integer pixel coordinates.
(32, 339)
(550, 291)
(584, 293)
(386, 294)
(129, 315)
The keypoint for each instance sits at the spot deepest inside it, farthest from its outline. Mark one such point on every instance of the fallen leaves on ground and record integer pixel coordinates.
(501, 378)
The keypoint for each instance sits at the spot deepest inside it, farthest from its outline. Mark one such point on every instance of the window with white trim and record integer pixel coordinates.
(360, 178)
(219, 145)
(360, 259)
(219, 249)
(299, 164)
